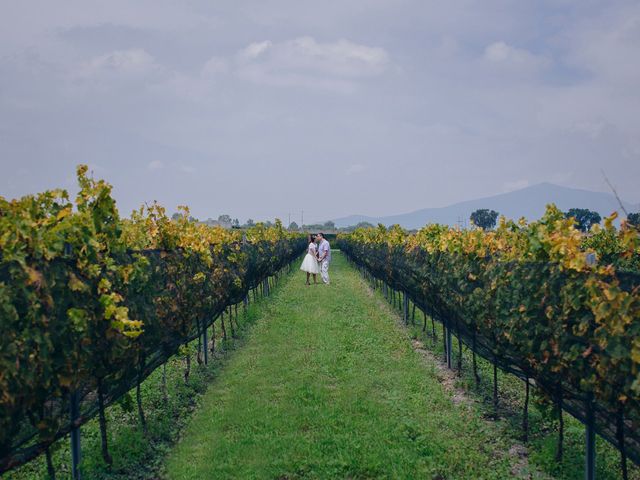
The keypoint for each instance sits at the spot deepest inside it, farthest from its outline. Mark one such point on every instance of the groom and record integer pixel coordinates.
(324, 257)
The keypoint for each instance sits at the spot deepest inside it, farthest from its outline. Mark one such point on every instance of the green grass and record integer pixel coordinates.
(328, 386)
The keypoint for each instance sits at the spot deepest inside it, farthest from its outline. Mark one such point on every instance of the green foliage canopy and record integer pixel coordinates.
(484, 218)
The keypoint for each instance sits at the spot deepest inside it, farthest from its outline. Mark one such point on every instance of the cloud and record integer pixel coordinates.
(130, 73)
(306, 62)
(131, 62)
(448, 46)
(488, 93)
(254, 50)
(500, 53)
(608, 47)
(592, 128)
(562, 178)
(155, 165)
(515, 185)
(342, 58)
(215, 66)
(356, 168)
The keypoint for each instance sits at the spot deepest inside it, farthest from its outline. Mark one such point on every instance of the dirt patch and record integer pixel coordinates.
(518, 453)
(368, 290)
(520, 457)
(445, 376)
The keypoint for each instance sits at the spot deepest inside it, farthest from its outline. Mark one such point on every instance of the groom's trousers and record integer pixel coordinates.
(324, 270)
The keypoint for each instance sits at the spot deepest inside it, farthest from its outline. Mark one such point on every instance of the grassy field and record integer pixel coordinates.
(328, 386)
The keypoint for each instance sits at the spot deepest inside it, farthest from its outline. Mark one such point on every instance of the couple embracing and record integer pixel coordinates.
(317, 258)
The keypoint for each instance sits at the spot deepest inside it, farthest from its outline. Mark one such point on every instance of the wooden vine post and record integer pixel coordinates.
(165, 393)
(143, 420)
(405, 308)
(525, 413)
(224, 329)
(444, 339)
(590, 441)
(76, 452)
(449, 345)
(233, 330)
(206, 345)
(102, 420)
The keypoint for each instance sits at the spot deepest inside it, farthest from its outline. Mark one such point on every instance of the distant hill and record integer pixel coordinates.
(529, 202)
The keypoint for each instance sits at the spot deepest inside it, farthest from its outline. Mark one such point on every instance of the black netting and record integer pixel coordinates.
(530, 319)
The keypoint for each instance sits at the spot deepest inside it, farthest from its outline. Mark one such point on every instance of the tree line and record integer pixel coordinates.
(583, 218)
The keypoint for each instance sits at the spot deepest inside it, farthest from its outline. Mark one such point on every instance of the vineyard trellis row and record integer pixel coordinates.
(91, 304)
(530, 299)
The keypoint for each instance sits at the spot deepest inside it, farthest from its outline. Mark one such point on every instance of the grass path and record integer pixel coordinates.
(327, 385)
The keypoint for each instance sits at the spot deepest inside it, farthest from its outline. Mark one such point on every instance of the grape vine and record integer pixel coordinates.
(541, 299)
(91, 303)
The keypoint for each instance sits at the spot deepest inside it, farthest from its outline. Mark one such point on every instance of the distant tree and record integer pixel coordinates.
(312, 226)
(329, 225)
(364, 225)
(293, 226)
(584, 218)
(224, 219)
(351, 228)
(178, 216)
(250, 223)
(235, 223)
(484, 218)
(211, 222)
(634, 219)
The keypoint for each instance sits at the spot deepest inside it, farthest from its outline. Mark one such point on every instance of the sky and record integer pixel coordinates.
(262, 109)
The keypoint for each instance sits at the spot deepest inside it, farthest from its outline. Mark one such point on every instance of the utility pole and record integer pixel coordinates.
(302, 219)
(289, 221)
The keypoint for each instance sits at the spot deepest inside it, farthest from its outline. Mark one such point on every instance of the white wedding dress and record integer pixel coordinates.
(310, 262)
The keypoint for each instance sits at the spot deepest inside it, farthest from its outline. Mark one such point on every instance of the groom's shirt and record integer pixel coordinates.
(325, 249)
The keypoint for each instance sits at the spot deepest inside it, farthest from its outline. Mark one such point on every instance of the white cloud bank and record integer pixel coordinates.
(306, 62)
(254, 50)
(133, 62)
(503, 54)
(155, 165)
(466, 96)
(515, 185)
(356, 168)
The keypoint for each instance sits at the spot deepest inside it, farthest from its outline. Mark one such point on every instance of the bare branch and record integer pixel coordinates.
(615, 193)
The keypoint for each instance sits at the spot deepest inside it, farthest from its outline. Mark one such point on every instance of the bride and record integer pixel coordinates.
(310, 262)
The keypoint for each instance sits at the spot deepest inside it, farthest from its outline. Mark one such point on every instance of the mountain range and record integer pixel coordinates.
(529, 202)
